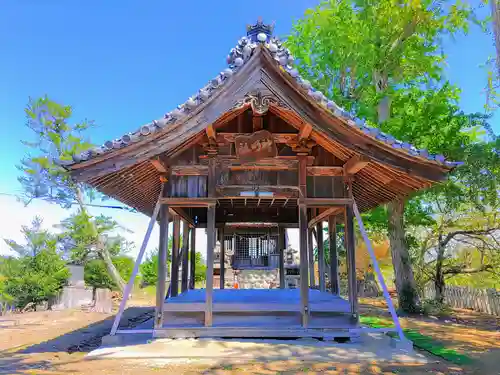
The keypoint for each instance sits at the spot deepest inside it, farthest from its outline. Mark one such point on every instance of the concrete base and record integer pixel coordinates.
(373, 348)
(124, 339)
(404, 345)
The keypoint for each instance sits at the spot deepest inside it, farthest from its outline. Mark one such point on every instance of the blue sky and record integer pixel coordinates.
(124, 63)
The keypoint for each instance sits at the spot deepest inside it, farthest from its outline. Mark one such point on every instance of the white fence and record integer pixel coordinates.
(480, 300)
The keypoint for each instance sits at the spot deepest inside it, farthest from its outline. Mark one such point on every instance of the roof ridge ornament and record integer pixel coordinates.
(260, 32)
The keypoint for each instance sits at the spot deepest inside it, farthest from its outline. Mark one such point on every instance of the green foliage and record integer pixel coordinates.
(83, 236)
(96, 274)
(149, 268)
(420, 341)
(361, 51)
(36, 239)
(435, 308)
(34, 278)
(55, 142)
(383, 61)
(200, 273)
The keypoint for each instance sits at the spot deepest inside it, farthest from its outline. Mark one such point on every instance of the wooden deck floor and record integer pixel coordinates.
(256, 313)
(257, 300)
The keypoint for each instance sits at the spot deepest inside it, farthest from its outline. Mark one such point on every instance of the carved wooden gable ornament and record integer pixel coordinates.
(256, 146)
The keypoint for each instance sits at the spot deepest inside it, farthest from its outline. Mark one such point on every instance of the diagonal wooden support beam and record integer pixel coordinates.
(323, 215)
(130, 284)
(355, 164)
(381, 281)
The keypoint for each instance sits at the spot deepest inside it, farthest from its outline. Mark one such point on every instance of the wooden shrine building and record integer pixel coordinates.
(256, 150)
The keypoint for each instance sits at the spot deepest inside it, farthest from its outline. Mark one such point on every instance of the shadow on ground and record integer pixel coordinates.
(89, 338)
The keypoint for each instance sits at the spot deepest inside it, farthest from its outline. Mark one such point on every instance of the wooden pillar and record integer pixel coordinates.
(334, 259)
(185, 256)
(321, 256)
(351, 261)
(310, 258)
(161, 288)
(222, 255)
(304, 277)
(192, 264)
(211, 235)
(174, 273)
(281, 249)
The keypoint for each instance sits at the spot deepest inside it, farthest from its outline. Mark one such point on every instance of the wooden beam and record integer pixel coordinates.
(351, 261)
(226, 138)
(233, 192)
(257, 123)
(190, 170)
(324, 171)
(355, 164)
(305, 131)
(135, 270)
(323, 215)
(192, 260)
(159, 165)
(189, 202)
(183, 214)
(162, 266)
(304, 282)
(334, 261)
(227, 159)
(185, 257)
(211, 235)
(281, 249)
(326, 202)
(222, 255)
(321, 256)
(174, 273)
(211, 134)
(310, 258)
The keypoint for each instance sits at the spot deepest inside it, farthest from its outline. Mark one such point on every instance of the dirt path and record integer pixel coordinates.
(468, 332)
(63, 363)
(38, 343)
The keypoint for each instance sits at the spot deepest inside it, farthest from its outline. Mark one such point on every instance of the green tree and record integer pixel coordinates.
(467, 211)
(149, 268)
(81, 235)
(35, 279)
(374, 58)
(200, 272)
(96, 273)
(36, 239)
(44, 175)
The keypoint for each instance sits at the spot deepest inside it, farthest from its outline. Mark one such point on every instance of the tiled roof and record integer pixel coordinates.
(257, 35)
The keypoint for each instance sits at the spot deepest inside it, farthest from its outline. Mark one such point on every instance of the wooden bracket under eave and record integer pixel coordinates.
(159, 165)
(211, 147)
(355, 164)
(304, 142)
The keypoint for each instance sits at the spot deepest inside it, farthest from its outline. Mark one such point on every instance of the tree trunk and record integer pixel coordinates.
(405, 282)
(113, 272)
(101, 249)
(439, 283)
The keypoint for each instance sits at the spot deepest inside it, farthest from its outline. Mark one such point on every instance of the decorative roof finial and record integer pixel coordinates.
(253, 31)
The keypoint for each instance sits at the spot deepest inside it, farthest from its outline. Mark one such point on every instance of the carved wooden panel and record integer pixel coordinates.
(256, 146)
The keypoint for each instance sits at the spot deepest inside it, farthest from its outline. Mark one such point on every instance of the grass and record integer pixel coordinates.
(423, 342)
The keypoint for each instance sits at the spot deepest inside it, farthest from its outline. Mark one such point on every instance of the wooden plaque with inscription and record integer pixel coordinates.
(256, 146)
